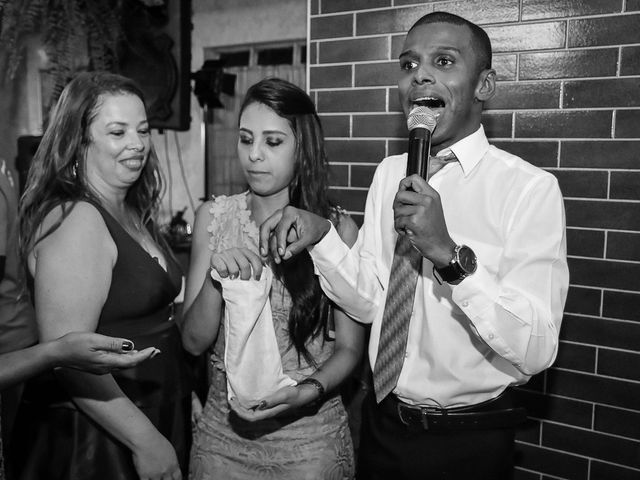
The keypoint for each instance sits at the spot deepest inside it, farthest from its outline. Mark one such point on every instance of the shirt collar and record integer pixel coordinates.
(469, 150)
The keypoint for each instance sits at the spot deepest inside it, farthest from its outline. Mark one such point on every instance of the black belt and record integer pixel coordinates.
(496, 413)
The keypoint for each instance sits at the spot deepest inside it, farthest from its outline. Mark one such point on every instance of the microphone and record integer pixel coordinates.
(421, 123)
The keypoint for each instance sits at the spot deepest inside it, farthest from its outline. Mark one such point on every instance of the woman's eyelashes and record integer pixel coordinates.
(143, 132)
(269, 141)
(273, 142)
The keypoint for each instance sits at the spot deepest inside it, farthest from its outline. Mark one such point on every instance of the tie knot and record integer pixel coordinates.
(436, 163)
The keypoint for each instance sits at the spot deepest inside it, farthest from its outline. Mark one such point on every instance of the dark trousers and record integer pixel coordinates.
(389, 449)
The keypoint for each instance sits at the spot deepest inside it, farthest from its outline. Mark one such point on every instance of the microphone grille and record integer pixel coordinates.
(421, 117)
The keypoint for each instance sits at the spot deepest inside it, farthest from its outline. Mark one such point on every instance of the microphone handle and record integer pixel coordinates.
(418, 155)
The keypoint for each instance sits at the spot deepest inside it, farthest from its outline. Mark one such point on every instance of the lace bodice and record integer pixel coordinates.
(231, 224)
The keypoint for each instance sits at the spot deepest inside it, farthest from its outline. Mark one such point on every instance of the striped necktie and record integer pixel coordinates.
(399, 305)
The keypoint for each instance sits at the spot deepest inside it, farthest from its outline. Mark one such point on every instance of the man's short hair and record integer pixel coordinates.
(479, 38)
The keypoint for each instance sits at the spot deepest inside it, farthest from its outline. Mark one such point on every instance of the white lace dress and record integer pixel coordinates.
(305, 446)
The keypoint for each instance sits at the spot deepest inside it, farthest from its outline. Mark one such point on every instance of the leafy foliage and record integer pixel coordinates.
(76, 35)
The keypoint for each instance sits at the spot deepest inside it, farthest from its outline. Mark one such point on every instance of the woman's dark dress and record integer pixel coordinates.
(55, 441)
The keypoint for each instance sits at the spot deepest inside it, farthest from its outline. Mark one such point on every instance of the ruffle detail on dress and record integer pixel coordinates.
(216, 362)
(244, 217)
(230, 214)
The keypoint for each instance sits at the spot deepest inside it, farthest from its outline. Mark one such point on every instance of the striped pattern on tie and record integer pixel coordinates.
(399, 305)
(395, 320)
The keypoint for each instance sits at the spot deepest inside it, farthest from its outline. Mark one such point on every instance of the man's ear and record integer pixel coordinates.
(486, 87)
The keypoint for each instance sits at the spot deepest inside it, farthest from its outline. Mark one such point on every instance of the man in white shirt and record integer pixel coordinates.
(493, 280)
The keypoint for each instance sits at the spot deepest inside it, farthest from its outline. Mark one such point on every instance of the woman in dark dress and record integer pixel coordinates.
(98, 264)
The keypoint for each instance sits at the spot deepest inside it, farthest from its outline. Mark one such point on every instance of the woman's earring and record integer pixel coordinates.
(74, 169)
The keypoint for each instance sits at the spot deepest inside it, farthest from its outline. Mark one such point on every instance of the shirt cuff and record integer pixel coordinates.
(328, 252)
(476, 292)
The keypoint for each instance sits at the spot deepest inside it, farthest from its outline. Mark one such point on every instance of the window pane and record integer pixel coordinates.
(275, 56)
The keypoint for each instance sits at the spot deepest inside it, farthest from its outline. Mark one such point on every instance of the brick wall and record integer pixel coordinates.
(568, 101)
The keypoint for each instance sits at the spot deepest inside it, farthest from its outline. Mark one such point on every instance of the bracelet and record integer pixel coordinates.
(318, 386)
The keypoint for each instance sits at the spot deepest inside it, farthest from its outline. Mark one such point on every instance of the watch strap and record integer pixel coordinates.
(454, 271)
(451, 272)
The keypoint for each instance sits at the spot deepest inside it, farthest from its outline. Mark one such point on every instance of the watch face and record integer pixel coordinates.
(467, 259)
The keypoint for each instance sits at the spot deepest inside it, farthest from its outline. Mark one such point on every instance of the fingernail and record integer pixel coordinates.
(281, 251)
(127, 345)
(155, 352)
(263, 252)
(287, 255)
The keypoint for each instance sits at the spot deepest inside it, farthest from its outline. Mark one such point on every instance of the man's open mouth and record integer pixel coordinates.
(429, 102)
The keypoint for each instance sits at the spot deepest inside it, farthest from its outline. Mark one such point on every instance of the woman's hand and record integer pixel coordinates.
(97, 353)
(283, 400)
(237, 261)
(156, 459)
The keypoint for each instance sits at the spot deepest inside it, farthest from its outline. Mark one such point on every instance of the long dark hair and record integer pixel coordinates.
(309, 315)
(57, 174)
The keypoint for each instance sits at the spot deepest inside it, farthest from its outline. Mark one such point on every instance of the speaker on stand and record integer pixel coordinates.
(156, 53)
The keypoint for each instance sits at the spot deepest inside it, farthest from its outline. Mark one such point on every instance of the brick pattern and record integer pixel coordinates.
(568, 101)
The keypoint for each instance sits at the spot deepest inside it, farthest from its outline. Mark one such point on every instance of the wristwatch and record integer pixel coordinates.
(462, 265)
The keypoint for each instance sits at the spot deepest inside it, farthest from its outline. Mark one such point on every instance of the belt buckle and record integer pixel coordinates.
(430, 410)
(424, 420)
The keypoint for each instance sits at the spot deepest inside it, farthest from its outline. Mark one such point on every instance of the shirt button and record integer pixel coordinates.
(406, 354)
(491, 336)
(465, 304)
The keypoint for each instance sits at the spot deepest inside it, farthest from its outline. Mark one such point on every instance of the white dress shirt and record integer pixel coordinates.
(497, 327)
